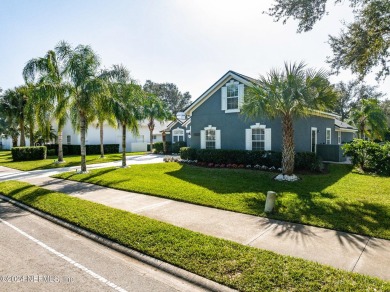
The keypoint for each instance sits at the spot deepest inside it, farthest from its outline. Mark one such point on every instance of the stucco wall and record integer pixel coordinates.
(233, 125)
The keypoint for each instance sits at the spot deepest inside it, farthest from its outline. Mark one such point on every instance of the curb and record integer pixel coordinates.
(166, 267)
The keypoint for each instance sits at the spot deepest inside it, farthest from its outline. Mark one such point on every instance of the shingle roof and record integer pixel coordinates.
(343, 125)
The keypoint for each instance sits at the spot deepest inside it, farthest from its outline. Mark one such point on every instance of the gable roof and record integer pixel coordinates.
(217, 85)
(172, 124)
(248, 81)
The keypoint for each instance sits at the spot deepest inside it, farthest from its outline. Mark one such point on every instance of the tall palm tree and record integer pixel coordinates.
(47, 73)
(104, 114)
(81, 66)
(287, 94)
(126, 104)
(154, 109)
(369, 118)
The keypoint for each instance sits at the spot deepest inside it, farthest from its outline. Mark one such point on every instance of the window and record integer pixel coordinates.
(154, 137)
(258, 137)
(339, 138)
(328, 136)
(68, 140)
(210, 138)
(177, 135)
(232, 96)
(313, 140)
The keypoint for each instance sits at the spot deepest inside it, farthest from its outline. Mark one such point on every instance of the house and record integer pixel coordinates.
(134, 143)
(179, 130)
(216, 122)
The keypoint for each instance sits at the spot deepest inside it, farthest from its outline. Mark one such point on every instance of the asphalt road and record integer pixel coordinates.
(37, 255)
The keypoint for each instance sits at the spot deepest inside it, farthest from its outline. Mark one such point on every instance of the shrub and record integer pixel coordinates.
(177, 145)
(91, 149)
(307, 161)
(369, 156)
(51, 152)
(28, 153)
(263, 159)
(159, 147)
(188, 153)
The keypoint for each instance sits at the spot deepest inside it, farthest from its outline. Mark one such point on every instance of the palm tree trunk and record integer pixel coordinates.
(82, 144)
(60, 149)
(151, 129)
(101, 140)
(123, 145)
(14, 141)
(288, 145)
(31, 136)
(22, 134)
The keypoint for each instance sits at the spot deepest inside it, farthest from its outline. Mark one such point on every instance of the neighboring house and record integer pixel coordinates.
(179, 130)
(216, 122)
(134, 143)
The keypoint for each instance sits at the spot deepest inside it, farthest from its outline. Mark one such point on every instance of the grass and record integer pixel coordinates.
(341, 200)
(238, 266)
(70, 160)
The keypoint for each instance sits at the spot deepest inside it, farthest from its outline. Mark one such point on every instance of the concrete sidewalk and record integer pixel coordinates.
(342, 250)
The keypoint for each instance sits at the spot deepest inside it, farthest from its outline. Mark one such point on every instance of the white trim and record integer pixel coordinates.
(220, 83)
(339, 137)
(237, 110)
(217, 137)
(182, 134)
(311, 138)
(267, 137)
(328, 130)
(346, 130)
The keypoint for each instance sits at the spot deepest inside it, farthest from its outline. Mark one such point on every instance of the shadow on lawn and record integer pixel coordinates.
(305, 201)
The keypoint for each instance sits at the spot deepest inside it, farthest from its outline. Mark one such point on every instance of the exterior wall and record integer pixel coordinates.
(134, 143)
(233, 125)
(6, 143)
(347, 137)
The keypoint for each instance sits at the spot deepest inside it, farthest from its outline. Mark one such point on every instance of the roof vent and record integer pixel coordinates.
(181, 116)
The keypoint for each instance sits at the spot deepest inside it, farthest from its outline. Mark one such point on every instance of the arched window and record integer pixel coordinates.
(177, 135)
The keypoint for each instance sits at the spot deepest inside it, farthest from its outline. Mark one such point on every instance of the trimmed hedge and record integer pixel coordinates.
(303, 160)
(171, 148)
(28, 153)
(91, 149)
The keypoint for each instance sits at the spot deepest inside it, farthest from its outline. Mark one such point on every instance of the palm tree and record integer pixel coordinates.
(81, 66)
(155, 109)
(47, 73)
(288, 94)
(369, 118)
(13, 104)
(8, 120)
(126, 103)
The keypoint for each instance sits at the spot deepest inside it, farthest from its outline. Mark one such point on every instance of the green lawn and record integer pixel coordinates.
(70, 160)
(341, 199)
(238, 266)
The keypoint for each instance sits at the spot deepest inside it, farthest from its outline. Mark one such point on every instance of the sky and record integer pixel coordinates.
(191, 43)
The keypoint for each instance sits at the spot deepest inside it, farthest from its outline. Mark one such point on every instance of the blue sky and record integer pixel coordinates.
(190, 42)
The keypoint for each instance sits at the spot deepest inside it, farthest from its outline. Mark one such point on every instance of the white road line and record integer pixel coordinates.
(69, 260)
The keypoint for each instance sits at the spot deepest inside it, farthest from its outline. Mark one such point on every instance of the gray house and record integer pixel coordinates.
(216, 122)
(179, 131)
